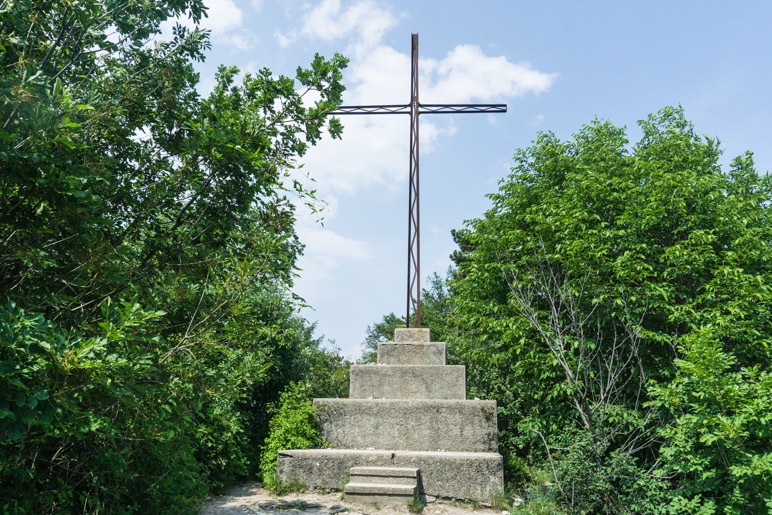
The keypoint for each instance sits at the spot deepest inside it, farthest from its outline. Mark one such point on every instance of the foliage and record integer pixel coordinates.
(615, 300)
(292, 426)
(85, 427)
(717, 439)
(148, 251)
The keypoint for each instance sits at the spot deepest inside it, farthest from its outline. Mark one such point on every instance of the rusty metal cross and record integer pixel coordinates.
(414, 109)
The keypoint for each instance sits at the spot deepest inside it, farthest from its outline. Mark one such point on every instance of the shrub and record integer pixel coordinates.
(292, 426)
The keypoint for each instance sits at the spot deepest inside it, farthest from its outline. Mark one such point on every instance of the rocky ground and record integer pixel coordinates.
(251, 498)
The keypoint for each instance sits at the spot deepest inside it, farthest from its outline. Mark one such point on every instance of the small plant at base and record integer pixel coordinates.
(500, 501)
(538, 506)
(415, 506)
(343, 482)
(475, 504)
(278, 487)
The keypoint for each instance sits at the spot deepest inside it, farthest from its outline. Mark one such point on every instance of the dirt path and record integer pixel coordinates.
(251, 498)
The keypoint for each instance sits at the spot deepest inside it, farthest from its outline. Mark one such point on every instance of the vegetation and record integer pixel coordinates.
(147, 255)
(615, 301)
(292, 426)
(415, 506)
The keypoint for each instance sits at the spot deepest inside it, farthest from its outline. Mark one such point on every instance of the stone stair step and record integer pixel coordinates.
(408, 424)
(381, 494)
(408, 382)
(381, 489)
(390, 353)
(384, 475)
(412, 335)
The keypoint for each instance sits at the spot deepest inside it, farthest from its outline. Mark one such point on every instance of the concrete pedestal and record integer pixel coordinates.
(409, 411)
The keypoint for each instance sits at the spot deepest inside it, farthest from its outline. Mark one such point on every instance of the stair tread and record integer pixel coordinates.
(366, 487)
(385, 471)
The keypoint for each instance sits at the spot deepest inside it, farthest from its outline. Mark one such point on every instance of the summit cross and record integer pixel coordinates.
(414, 109)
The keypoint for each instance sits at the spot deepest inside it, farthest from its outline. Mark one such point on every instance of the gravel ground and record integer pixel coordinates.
(251, 498)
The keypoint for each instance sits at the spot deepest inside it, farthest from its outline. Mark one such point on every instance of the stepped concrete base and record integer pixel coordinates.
(407, 382)
(390, 353)
(382, 485)
(408, 424)
(459, 475)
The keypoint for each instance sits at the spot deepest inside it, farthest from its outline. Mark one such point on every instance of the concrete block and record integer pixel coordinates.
(390, 353)
(412, 335)
(407, 382)
(460, 475)
(408, 424)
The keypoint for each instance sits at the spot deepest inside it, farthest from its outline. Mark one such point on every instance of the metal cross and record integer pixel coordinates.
(414, 109)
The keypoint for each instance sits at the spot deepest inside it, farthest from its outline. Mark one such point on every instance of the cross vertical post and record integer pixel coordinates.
(414, 205)
(414, 109)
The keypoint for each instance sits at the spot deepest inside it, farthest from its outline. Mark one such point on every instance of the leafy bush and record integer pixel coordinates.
(292, 426)
(85, 422)
(717, 440)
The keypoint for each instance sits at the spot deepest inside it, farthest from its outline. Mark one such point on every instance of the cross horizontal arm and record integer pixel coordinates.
(462, 108)
(422, 109)
(374, 109)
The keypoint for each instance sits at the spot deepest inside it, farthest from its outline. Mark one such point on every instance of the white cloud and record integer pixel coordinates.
(331, 249)
(222, 16)
(374, 152)
(466, 74)
(325, 252)
(224, 20)
(366, 21)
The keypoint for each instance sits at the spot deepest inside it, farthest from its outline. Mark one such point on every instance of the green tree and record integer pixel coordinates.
(148, 251)
(582, 294)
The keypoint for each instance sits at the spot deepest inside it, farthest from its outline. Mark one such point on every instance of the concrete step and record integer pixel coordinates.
(407, 382)
(382, 489)
(390, 353)
(381, 494)
(412, 335)
(384, 475)
(408, 424)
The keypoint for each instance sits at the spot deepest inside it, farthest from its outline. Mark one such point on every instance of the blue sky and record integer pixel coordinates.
(556, 64)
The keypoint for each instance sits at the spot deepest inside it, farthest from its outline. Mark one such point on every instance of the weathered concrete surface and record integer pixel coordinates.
(460, 475)
(408, 424)
(407, 382)
(390, 353)
(412, 335)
